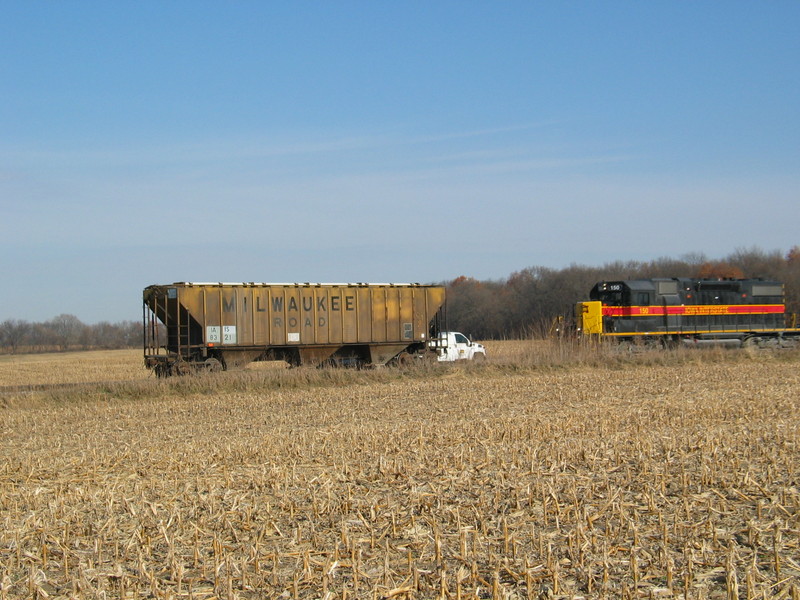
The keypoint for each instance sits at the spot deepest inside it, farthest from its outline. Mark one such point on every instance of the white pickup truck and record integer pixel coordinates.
(452, 345)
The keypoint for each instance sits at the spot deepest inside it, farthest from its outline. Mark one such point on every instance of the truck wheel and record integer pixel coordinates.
(431, 357)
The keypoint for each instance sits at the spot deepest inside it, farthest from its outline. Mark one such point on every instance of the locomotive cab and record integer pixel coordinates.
(621, 301)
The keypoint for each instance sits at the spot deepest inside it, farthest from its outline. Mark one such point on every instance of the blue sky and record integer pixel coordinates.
(148, 142)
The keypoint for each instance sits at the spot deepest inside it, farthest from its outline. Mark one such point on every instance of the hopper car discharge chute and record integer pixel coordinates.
(216, 326)
(699, 311)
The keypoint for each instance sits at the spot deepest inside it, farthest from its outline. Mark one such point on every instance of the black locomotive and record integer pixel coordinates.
(747, 311)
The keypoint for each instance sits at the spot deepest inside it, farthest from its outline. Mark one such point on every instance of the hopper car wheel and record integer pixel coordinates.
(212, 365)
(181, 368)
(402, 360)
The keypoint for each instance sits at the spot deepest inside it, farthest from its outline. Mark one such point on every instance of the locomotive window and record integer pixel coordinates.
(767, 290)
(643, 299)
(611, 298)
(666, 287)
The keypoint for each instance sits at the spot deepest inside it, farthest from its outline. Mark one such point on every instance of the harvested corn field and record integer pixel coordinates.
(669, 477)
(32, 370)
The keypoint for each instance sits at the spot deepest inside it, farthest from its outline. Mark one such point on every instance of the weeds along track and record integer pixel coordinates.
(653, 477)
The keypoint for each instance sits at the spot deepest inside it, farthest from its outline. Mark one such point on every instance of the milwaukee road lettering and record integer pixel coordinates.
(303, 309)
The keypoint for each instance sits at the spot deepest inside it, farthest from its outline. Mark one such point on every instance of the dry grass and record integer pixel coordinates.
(71, 367)
(664, 476)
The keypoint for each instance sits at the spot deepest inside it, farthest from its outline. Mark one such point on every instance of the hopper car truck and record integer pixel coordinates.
(218, 326)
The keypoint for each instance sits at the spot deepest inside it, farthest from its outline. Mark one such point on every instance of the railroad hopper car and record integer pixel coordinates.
(746, 311)
(215, 326)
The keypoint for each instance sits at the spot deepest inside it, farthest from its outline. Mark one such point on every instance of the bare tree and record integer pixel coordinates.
(66, 330)
(791, 280)
(13, 333)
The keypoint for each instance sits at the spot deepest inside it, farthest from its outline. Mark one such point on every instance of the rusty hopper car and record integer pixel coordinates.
(214, 326)
(744, 311)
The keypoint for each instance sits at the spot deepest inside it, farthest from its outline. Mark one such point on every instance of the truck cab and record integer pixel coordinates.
(452, 345)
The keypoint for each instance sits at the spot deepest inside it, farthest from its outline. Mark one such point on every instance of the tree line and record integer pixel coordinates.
(525, 304)
(529, 302)
(67, 332)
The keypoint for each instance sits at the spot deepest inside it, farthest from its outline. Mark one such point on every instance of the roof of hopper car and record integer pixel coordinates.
(308, 284)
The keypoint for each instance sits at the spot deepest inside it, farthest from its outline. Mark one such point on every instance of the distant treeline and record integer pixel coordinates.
(67, 332)
(530, 302)
(526, 304)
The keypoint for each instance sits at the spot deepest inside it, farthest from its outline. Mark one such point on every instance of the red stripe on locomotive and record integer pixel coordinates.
(693, 310)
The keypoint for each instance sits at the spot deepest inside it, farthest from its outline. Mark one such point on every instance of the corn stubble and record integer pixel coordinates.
(657, 478)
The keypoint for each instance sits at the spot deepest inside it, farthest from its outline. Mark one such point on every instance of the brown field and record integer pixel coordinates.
(547, 472)
(71, 367)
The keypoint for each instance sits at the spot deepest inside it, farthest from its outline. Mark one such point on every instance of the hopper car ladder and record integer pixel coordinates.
(177, 337)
